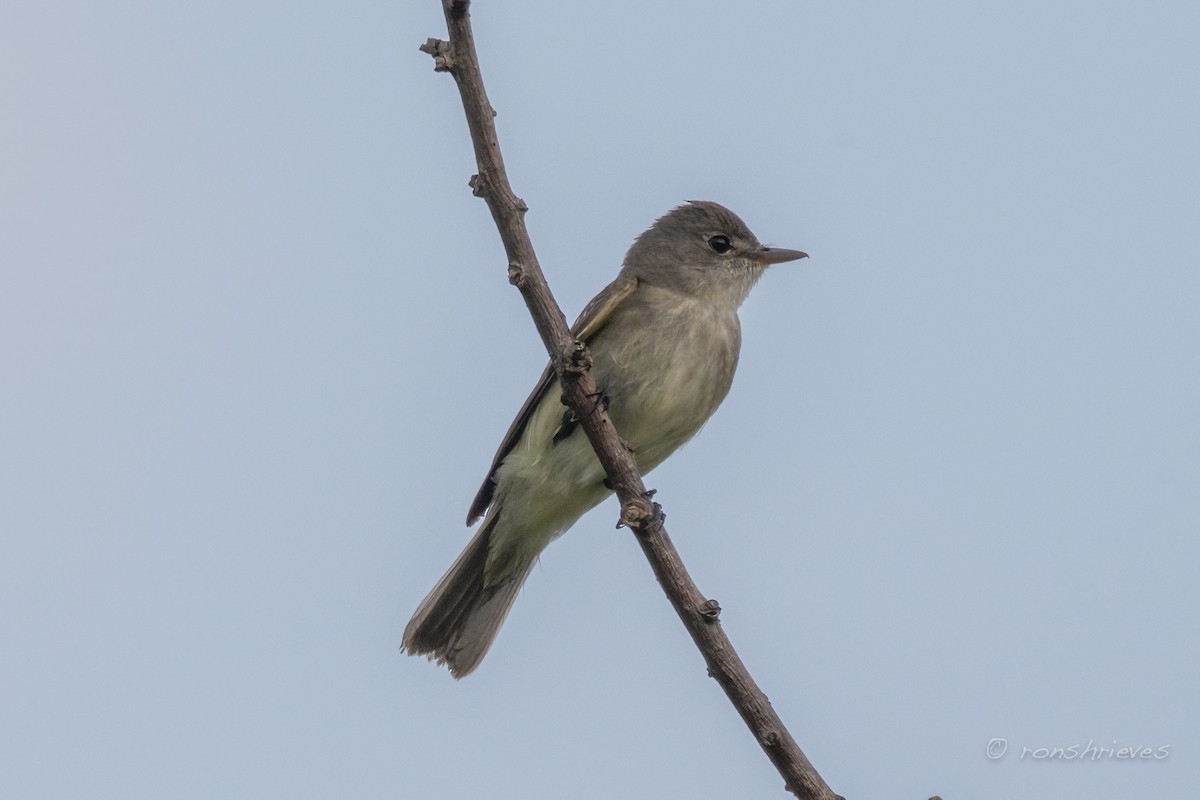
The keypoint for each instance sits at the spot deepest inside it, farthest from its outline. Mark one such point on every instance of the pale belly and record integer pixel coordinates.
(659, 393)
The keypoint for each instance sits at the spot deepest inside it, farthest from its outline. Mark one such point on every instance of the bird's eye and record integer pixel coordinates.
(720, 244)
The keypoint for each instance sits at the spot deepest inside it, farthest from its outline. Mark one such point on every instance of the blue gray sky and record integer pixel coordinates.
(257, 348)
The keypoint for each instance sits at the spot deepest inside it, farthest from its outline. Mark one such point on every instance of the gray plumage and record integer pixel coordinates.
(664, 338)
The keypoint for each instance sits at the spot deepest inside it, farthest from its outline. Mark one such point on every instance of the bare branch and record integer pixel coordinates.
(700, 615)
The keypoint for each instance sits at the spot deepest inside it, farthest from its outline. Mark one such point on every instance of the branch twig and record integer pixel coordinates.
(699, 614)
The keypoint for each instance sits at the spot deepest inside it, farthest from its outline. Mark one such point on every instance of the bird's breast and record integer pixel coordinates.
(665, 365)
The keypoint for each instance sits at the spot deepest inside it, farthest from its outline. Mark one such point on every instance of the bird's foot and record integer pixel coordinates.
(641, 513)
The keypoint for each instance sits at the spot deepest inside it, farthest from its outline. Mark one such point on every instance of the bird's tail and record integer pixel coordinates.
(457, 622)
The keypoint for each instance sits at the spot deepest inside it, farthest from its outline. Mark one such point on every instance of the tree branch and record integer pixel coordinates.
(700, 615)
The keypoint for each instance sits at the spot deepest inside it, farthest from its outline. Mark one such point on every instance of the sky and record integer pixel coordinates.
(257, 348)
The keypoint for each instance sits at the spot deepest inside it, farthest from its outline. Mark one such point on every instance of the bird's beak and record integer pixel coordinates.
(777, 255)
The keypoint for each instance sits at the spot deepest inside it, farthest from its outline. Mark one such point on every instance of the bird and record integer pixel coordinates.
(664, 338)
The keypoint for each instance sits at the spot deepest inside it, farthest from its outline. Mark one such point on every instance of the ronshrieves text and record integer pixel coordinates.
(998, 748)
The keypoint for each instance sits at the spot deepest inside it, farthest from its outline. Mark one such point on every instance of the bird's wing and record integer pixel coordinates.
(591, 321)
